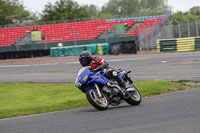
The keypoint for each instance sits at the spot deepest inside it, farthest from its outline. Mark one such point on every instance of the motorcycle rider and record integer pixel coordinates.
(98, 64)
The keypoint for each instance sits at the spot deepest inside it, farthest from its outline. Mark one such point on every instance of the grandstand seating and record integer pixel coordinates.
(150, 22)
(84, 30)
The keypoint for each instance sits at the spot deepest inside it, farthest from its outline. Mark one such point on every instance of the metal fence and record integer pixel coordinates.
(167, 30)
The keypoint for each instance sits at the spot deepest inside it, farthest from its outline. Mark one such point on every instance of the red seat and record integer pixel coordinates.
(147, 24)
(60, 32)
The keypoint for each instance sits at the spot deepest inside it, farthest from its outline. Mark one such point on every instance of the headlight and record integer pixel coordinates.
(78, 85)
(85, 78)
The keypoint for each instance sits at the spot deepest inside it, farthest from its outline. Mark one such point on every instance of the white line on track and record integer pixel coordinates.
(48, 64)
(128, 59)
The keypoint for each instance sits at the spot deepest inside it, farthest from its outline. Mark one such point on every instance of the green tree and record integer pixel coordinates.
(13, 12)
(135, 7)
(153, 5)
(179, 16)
(93, 10)
(105, 16)
(182, 17)
(63, 10)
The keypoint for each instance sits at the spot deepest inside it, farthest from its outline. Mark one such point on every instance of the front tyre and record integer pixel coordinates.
(95, 101)
(135, 97)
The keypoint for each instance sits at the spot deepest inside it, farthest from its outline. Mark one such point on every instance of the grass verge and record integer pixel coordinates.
(19, 99)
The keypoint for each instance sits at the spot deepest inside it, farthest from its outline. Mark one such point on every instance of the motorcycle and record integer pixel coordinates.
(102, 92)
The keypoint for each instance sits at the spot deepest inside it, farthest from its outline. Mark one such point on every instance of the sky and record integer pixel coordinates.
(177, 5)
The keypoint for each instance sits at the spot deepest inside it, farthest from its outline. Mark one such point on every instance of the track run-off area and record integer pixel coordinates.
(167, 66)
(169, 113)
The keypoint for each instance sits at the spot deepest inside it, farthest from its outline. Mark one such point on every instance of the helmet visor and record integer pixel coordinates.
(85, 61)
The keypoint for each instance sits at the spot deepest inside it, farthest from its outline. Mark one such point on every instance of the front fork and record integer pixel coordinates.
(98, 91)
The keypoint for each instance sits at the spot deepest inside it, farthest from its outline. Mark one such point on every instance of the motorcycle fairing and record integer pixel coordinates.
(92, 78)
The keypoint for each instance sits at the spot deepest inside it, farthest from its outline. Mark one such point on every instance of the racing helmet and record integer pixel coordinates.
(85, 58)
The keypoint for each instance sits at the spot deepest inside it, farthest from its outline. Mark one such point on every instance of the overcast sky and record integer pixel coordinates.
(177, 5)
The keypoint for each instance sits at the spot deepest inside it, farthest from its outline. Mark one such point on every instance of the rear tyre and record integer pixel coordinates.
(95, 101)
(135, 97)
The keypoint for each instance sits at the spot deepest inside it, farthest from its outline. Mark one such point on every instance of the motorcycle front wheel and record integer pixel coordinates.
(96, 101)
(135, 97)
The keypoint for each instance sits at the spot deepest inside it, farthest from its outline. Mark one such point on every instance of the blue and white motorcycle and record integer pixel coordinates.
(102, 92)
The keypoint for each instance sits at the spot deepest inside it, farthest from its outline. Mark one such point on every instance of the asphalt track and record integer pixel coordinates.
(169, 66)
(170, 113)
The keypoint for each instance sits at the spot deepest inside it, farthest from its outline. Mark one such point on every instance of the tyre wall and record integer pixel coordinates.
(178, 44)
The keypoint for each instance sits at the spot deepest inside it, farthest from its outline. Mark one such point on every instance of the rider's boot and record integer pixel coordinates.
(121, 82)
(124, 85)
(113, 74)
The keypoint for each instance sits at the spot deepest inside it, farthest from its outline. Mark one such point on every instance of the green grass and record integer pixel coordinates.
(19, 99)
(157, 87)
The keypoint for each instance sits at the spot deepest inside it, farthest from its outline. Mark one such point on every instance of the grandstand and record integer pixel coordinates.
(85, 30)
(60, 32)
(31, 41)
(147, 23)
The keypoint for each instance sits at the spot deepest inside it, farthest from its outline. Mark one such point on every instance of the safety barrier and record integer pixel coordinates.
(39, 50)
(94, 49)
(179, 44)
(197, 44)
(185, 44)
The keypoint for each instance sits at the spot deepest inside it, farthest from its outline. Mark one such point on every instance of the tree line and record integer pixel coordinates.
(192, 15)
(14, 12)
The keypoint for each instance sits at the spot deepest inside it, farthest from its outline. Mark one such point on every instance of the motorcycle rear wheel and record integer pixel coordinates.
(95, 101)
(135, 98)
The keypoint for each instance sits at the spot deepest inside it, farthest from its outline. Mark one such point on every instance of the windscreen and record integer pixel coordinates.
(80, 72)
